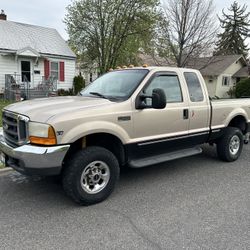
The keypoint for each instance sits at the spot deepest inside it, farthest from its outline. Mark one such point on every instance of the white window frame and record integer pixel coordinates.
(226, 79)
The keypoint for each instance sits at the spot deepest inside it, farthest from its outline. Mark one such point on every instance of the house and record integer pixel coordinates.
(34, 55)
(154, 60)
(221, 72)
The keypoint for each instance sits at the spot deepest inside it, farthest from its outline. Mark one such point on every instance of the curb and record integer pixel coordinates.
(5, 170)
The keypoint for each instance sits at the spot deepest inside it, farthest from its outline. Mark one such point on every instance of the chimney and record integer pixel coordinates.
(3, 16)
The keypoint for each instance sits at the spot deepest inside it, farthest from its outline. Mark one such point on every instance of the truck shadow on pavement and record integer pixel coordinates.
(51, 188)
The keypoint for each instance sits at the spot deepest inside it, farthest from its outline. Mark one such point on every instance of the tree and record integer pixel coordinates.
(235, 31)
(243, 88)
(187, 29)
(107, 31)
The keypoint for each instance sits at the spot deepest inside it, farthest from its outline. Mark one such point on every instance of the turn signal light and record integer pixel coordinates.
(50, 140)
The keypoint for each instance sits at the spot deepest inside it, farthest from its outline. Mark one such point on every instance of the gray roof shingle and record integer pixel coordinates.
(243, 72)
(16, 36)
(215, 65)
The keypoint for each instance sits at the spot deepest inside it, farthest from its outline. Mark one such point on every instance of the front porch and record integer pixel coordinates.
(18, 87)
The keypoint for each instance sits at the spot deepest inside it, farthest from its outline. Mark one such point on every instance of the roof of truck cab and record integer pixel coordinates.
(158, 68)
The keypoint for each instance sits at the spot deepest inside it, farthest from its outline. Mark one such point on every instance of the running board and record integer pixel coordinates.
(164, 157)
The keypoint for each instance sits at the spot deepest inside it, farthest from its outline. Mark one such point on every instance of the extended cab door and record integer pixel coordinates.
(161, 130)
(199, 107)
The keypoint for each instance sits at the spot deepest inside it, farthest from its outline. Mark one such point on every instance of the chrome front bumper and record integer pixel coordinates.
(34, 160)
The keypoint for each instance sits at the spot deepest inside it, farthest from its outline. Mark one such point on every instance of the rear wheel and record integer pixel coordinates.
(90, 175)
(229, 147)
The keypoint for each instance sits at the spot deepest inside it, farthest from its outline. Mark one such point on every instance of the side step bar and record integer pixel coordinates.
(164, 157)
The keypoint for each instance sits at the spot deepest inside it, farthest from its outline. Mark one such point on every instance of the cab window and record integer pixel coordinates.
(194, 87)
(171, 86)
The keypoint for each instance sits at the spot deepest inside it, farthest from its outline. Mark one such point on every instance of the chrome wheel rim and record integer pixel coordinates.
(95, 177)
(234, 145)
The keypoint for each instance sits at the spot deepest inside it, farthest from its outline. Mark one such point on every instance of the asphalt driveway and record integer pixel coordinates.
(193, 203)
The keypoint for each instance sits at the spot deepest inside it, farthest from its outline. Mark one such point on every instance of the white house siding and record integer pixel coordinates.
(69, 72)
(211, 84)
(221, 90)
(7, 66)
(70, 66)
(38, 67)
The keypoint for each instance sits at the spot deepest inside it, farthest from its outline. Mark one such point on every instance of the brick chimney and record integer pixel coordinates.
(3, 16)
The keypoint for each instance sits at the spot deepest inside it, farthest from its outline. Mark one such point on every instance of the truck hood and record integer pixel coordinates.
(43, 109)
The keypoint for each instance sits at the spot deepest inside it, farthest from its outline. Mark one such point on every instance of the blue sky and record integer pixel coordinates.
(50, 13)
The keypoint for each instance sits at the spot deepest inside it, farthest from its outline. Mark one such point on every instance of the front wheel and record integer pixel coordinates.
(90, 175)
(229, 147)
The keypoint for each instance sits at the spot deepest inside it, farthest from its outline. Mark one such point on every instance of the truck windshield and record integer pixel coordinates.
(116, 84)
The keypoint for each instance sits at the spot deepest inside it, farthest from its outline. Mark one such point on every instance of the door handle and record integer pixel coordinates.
(185, 114)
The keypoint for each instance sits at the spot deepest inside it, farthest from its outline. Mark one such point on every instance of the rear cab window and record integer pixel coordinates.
(194, 87)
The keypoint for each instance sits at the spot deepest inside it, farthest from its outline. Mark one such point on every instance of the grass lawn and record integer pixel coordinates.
(3, 103)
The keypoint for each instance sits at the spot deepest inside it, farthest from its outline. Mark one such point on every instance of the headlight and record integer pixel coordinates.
(41, 133)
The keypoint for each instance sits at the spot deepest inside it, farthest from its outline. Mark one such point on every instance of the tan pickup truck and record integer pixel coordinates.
(133, 117)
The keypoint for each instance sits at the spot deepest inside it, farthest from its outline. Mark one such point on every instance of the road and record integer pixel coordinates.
(193, 203)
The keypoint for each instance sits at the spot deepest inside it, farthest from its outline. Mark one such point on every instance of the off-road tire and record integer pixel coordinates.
(223, 145)
(75, 166)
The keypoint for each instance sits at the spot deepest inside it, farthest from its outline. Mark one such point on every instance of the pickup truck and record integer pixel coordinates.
(132, 117)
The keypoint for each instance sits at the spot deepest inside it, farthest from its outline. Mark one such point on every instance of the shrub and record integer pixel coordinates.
(243, 88)
(78, 83)
(63, 92)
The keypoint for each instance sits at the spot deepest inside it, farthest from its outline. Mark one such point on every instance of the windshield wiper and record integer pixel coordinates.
(98, 94)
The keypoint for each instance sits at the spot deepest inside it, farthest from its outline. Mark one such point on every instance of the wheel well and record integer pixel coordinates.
(239, 122)
(108, 141)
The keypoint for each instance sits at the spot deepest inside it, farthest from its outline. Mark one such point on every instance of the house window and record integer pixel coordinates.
(225, 81)
(54, 70)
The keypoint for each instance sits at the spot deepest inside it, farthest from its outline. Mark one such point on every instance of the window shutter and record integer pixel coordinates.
(62, 73)
(46, 69)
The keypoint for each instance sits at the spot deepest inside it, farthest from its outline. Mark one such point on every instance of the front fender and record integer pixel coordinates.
(87, 128)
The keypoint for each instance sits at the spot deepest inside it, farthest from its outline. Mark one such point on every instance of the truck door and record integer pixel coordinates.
(163, 130)
(199, 109)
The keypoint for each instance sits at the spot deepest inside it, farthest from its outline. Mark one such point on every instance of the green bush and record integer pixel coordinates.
(78, 83)
(243, 88)
(63, 92)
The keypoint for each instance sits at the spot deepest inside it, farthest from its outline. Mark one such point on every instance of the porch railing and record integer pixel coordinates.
(18, 88)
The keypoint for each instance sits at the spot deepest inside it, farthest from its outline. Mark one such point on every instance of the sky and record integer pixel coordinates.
(50, 13)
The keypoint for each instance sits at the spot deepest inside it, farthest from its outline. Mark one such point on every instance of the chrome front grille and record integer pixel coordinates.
(15, 129)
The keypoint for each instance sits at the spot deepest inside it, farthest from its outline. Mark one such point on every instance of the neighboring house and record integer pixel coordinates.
(151, 60)
(34, 54)
(221, 72)
(88, 72)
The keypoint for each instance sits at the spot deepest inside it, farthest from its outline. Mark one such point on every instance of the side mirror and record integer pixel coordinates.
(158, 100)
